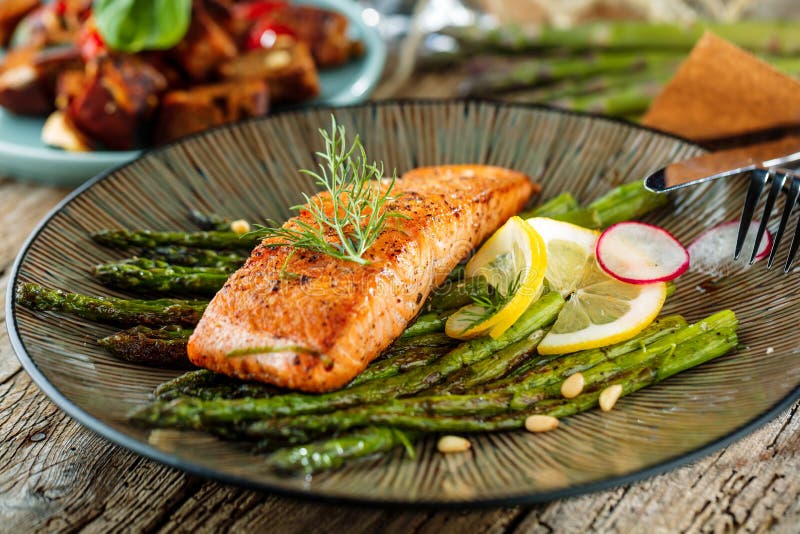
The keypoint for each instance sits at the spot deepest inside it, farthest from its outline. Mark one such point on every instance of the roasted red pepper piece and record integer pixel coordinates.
(265, 34)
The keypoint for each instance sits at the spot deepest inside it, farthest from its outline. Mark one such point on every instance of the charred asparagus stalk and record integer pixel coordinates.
(149, 264)
(164, 346)
(125, 312)
(401, 361)
(195, 257)
(206, 384)
(152, 238)
(331, 454)
(209, 221)
(164, 279)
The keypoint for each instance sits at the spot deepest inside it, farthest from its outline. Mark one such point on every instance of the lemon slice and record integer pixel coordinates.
(600, 309)
(512, 262)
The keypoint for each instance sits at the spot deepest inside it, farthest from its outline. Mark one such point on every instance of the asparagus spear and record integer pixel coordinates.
(111, 310)
(595, 85)
(457, 274)
(453, 295)
(209, 221)
(169, 280)
(423, 351)
(401, 363)
(621, 101)
(684, 357)
(658, 329)
(191, 379)
(495, 367)
(774, 37)
(586, 217)
(472, 411)
(406, 354)
(164, 346)
(153, 238)
(622, 203)
(195, 257)
(626, 202)
(555, 206)
(427, 323)
(194, 413)
(332, 454)
(206, 384)
(149, 263)
(538, 72)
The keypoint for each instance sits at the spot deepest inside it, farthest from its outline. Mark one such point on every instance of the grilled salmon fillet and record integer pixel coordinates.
(304, 320)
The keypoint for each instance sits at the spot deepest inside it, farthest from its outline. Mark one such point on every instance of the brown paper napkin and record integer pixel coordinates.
(721, 91)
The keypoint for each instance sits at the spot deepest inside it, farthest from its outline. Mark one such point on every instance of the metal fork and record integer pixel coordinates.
(780, 180)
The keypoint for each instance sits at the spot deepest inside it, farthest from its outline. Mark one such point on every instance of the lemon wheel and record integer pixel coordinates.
(512, 262)
(600, 309)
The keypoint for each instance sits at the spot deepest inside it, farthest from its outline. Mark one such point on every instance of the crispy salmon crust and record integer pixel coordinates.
(313, 322)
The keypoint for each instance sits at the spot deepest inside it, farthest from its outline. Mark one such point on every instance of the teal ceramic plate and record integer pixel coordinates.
(24, 156)
(249, 170)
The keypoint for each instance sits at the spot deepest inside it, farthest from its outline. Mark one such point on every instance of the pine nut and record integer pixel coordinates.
(609, 397)
(540, 423)
(240, 226)
(572, 386)
(448, 444)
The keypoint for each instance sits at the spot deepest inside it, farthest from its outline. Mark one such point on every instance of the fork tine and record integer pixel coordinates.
(757, 181)
(777, 185)
(791, 199)
(793, 248)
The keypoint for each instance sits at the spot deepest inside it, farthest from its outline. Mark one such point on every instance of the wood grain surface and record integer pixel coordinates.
(57, 476)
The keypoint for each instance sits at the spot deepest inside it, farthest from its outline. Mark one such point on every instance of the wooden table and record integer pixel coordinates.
(57, 476)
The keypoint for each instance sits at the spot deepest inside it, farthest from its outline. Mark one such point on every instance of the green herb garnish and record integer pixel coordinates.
(136, 25)
(347, 223)
(489, 300)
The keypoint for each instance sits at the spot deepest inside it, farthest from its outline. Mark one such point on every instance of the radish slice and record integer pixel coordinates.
(712, 252)
(640, 253)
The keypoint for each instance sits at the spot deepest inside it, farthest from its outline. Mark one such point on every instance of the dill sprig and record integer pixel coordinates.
(356, 210)
(489, 300)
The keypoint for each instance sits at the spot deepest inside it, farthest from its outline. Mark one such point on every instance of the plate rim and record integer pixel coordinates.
(143, 449)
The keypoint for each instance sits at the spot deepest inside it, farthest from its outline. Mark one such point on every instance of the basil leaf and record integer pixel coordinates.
(135, 25)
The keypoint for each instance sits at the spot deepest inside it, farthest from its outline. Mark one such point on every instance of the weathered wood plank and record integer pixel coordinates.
(753, 486)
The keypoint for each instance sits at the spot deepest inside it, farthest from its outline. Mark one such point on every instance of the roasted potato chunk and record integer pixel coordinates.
(289, 70)
(204, 47)
(193, 110)
(116, 100)
(28, 78)
(325, 32)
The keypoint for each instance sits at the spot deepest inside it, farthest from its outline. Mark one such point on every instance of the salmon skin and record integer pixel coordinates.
(304, 320)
